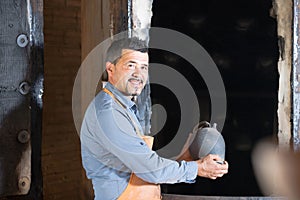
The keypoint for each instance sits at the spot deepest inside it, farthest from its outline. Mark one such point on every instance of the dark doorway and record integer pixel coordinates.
(241, 38)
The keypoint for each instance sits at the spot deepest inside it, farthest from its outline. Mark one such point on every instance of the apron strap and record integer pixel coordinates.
(137, 130)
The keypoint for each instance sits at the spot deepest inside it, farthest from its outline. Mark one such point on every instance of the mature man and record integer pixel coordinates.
(116, 155)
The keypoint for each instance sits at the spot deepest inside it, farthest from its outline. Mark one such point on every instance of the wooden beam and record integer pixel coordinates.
(96, 26)
(119, 15)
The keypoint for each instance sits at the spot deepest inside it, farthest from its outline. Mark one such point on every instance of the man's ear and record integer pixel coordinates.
(109, 67)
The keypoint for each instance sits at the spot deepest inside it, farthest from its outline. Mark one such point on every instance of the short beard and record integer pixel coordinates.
(133, 94)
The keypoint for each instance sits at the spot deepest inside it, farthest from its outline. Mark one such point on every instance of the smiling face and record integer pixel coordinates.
(129, 75)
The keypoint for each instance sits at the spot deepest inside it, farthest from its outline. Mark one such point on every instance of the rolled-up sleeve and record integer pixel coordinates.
(118, 136)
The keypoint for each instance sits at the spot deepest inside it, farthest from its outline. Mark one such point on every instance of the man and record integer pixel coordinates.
(115, 154)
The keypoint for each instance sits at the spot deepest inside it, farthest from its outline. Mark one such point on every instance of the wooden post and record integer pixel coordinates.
(96, 26)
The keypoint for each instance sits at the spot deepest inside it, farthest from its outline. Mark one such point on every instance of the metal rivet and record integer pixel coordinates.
(22, 40)
(23, 136)
(24, 88)
(24, 184)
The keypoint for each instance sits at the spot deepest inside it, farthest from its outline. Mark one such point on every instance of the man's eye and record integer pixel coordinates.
(144, 67)
(130, 66)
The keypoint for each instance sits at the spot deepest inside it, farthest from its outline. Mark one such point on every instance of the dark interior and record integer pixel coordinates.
(241, 37)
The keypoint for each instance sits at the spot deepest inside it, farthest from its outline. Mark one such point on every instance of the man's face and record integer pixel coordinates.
(129, 75)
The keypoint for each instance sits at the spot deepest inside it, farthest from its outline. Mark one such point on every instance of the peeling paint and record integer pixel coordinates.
(29, 18)
(141, 18)
(283, 10)
(281, 44)
(129, 8)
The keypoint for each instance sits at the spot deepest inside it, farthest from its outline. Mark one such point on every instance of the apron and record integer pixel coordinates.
(138, 189)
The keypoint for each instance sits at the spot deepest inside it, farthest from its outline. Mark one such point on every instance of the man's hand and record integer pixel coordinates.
(209, 167)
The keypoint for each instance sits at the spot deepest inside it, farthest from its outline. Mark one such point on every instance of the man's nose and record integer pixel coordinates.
(137, 71)
(136, 75)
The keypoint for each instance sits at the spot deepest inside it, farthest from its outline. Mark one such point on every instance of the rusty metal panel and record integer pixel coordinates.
(21, 78)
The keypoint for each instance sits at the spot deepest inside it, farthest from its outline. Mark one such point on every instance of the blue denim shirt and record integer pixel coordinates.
(111, 150)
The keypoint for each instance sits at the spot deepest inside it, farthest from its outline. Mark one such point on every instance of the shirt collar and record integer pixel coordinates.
(121, 97)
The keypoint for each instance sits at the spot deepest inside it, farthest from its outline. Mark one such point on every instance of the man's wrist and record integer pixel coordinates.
(192, 171)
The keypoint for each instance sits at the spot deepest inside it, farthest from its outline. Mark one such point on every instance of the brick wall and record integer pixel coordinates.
(61, 164)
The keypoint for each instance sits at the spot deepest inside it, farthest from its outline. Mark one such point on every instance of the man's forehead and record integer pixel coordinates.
(134, 53)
